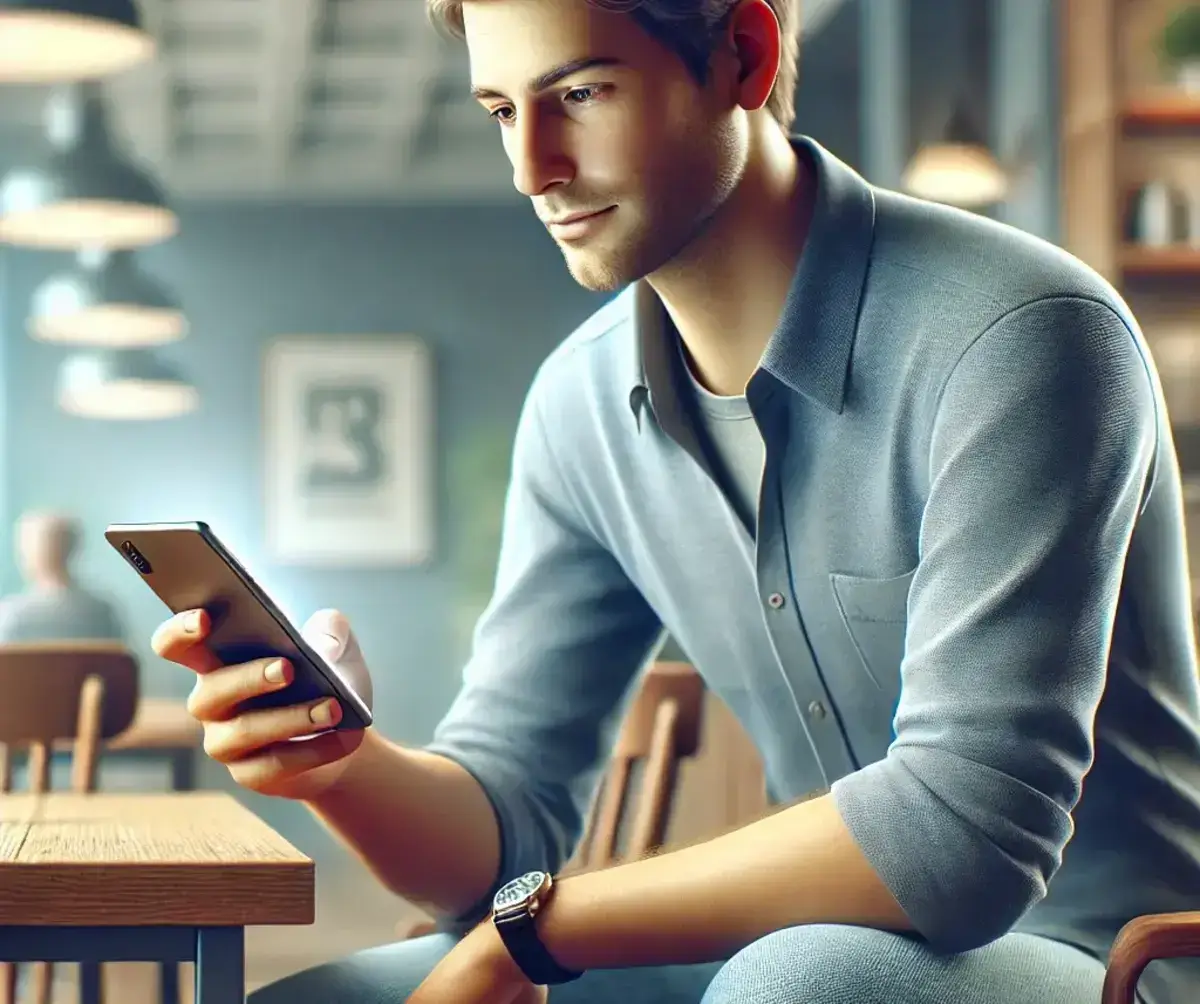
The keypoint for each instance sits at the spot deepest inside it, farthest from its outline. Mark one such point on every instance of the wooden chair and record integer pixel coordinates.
(1142, 941)
(661, 728)
(86, 692)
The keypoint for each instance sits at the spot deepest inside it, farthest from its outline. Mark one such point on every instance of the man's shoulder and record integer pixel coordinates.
(985, 268)
(942, 279)
(592, 341)
(591, 359)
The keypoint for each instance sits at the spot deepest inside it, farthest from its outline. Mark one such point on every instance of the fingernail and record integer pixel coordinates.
(191, 623)
(323, 713)
(275, 671)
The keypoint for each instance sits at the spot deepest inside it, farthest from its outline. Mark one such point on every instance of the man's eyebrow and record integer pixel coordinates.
(545, 81)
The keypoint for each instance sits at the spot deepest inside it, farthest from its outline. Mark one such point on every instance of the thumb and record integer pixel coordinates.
(329, 634)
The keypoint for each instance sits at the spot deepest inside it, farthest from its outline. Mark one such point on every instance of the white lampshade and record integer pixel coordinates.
(50, 41)
(105, 301)
(959, 174)
(126, 385)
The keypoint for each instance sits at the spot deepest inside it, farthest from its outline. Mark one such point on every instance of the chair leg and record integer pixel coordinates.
(8, 983)
(42, 982)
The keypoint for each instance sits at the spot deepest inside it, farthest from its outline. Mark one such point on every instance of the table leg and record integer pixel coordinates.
(91, 987)
(220, 965)
(168, 983)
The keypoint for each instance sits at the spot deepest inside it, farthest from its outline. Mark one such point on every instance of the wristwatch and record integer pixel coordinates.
(514, 912)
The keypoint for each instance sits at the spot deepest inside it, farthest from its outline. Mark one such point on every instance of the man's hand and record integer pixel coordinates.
(478, 970)
(256, 745)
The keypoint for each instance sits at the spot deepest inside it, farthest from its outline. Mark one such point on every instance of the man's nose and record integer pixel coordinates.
(538, 157)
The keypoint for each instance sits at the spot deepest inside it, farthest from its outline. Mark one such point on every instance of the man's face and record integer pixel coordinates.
(599, 118)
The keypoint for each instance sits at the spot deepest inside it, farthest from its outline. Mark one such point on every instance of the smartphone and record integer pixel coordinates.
(188, 568)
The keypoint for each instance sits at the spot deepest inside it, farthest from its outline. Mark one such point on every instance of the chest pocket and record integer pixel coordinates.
(875, 613)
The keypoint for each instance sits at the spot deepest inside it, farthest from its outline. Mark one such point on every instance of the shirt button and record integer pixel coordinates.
(816, 710)
(775, 601)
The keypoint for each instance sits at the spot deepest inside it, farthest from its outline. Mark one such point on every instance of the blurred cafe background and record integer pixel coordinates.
(262, 265)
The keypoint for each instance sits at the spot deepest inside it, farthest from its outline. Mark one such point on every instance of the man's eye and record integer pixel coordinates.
(582, 95)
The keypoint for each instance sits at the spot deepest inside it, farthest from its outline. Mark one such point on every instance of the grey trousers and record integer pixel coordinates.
(815, 964)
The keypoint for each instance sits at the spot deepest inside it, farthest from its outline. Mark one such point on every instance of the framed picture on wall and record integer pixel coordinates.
(348, 451)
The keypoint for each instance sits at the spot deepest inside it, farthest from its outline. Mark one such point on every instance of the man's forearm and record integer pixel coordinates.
(705, 902)
(421, 823)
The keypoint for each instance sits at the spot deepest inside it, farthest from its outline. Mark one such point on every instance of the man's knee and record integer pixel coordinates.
(814, 964)
(384, 975)
(833, 964)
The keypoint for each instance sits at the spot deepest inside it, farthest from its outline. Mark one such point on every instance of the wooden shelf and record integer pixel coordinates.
(1162, 111)
(1160, 261)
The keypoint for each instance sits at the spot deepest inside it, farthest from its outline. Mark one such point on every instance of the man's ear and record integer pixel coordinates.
(753, 40)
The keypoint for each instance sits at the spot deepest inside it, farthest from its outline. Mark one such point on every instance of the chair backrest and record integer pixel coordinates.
(83, 692)
(661, 728)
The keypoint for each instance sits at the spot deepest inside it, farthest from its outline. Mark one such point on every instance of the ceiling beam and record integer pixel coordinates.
(289, 36)
(407, 106)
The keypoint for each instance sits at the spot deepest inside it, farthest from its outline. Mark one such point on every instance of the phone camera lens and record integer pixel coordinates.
(135, 557)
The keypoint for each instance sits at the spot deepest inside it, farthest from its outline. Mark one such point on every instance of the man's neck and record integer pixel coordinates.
(52, 583)
(726, 292)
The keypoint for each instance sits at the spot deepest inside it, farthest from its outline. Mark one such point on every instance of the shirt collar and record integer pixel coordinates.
(810, 350)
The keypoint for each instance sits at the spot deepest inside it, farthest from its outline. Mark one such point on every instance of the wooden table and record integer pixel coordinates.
(162, 877)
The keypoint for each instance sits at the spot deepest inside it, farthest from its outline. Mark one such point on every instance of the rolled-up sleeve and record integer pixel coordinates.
(553, 656)
(1041, 456)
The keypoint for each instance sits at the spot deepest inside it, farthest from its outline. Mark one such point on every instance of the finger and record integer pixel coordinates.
(327, 631)
(217, 694)
(181, 640)
(329, 634)
(248, 733)
(287, 760)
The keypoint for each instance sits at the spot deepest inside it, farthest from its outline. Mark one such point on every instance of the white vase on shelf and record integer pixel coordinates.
(1187, 75)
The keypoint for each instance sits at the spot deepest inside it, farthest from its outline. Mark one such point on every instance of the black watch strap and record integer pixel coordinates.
(518, 931)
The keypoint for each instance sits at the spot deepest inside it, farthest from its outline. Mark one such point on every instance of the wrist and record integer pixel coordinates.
(517, 913)
(344, 774)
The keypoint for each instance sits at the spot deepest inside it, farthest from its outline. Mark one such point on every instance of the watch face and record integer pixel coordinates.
(518, 890)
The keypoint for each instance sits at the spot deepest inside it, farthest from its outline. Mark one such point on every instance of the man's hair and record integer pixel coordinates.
(690, 29)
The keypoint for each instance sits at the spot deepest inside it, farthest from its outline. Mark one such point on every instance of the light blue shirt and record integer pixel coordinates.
(968, 584)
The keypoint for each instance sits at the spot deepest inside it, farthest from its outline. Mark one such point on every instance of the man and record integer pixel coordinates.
(900, 481)
(53, 607)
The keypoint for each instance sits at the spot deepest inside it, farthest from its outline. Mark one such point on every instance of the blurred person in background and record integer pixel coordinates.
(53, 606)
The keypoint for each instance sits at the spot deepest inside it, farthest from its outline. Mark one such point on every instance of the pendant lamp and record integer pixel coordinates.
(959, 171)
(105, 301)
(129, 385)
(85, 194)
(50, 41)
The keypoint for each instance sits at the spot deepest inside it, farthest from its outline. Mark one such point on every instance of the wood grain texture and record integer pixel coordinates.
(172, 859)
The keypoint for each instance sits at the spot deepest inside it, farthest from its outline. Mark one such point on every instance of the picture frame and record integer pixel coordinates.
(348, 444)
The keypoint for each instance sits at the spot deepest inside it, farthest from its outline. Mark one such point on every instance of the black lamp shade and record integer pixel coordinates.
(130, 385)
(85, 194)
(105, 301)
